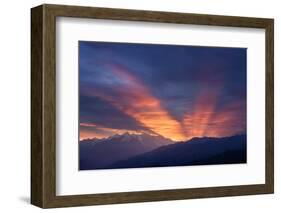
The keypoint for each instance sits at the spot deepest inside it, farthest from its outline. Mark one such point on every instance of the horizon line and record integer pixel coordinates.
(204, 136)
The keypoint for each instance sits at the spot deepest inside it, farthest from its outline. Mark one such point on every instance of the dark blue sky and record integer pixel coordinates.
(176, 91)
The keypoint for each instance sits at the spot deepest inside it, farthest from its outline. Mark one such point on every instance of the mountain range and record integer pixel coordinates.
(135, 151)
(100, 153)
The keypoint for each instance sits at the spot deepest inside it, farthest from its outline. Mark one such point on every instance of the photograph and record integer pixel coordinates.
(155, 105)
(140, 105)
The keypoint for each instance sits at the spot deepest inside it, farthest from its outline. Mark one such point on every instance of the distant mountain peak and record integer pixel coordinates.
(99, 153)
(133, 137)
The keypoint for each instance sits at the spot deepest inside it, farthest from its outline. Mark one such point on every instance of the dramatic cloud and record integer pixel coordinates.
(102, 113)
(135, 100)
(176, 91)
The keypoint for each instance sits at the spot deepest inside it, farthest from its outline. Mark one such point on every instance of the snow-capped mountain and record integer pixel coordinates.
(99, 153)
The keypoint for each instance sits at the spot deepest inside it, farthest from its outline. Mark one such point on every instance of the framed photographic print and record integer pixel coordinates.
(136, 106)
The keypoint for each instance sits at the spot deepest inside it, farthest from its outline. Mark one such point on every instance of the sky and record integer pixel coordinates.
(178, 92)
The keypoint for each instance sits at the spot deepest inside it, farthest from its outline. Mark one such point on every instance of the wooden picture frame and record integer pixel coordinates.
(43, 105)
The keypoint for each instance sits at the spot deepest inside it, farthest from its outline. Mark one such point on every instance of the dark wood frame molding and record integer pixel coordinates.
(43, 105)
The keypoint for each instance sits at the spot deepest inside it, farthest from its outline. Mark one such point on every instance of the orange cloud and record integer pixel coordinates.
(134, 99)
(228, 121)
(205, 121)
(197, 123)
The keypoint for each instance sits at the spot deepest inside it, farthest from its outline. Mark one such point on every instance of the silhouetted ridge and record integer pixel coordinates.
(197, 151)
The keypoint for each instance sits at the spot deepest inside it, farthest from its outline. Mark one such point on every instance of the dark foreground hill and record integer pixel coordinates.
(197, 151)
